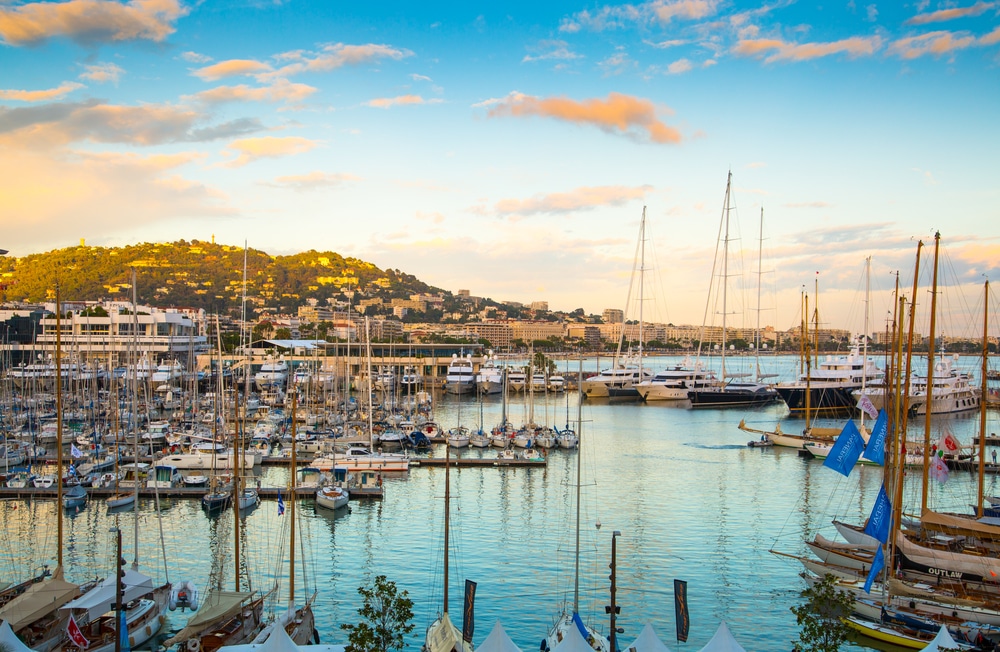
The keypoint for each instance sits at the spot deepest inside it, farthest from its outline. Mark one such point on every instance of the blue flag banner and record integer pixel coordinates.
(875, 450)
(123, 631)
(846, 450)
(281, 505)
(881, 517)
(877, 564)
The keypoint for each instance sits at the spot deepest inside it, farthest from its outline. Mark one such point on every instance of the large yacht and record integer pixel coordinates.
(952, 390)
(490, 377)
(673, 384)
(461, 378)
(616, 381)
(273, 374)
(830, 386)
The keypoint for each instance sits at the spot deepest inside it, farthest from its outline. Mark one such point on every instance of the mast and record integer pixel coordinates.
(642, 276)
(982, 400)
(760, 272)
(447, 513)
(59, 430)
(579, 455)
(725, 270)
(135, 419)
(241, 424)
(905, 395)
(930, 373)
(864, 355)
(291, 510)
(808, 358)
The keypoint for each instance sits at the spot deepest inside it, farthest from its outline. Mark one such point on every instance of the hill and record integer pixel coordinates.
(201, 275)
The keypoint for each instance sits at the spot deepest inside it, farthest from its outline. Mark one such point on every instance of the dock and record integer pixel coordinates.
(479, 462)
(265, 493)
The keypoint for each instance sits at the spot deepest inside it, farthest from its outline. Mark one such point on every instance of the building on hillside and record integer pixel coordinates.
(497, 333)
(528, 331)
(613, 316)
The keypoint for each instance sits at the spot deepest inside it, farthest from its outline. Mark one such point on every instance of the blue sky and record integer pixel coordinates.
(510, 149)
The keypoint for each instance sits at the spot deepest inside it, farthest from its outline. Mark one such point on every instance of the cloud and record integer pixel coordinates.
(854, 47)
(943, 15)
(658, 11)
(992, 38)
(585, 198)
(871, 13)
(103, 72)
(686, 9)
(618, 114)
(617, 63)
(313, 180)
(194, 57)
(663, 45)
(387, 102)
(808, 204)
(551, 50)
(416, 77)
(89, 21)
(231, 68)
(679, 66)
(249, 150)
(280, 91)
(936, 43)
(336, 56)
(57, 124)
(40, 96)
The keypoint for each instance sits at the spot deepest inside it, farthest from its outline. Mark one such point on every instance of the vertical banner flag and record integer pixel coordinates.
(74, 451)
(681, 615)
(865, 404)
(123, 631)
(875, 450)
(877, 564)
(74, 633)
(281, 505)
(881, 517)
(469, 619)
(846, 450)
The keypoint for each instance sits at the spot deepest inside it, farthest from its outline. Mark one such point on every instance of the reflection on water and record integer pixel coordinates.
(690, 499)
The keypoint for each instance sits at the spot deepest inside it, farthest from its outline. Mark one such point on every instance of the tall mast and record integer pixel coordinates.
(930, 373)
(447, 513)
(982, 399)
(725, 270)
(642, 276)
(291, 511)
(59, 430)
(864, 355)
(135, 417)
(760, 272)
(579, 455)
(808, 357)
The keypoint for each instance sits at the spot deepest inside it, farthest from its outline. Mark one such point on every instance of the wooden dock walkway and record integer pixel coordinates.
(265, 493)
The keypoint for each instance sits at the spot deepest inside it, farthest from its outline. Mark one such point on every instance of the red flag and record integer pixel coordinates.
(949, 443)
(75, 635)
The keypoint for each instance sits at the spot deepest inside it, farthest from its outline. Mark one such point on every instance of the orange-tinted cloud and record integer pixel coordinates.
(249, 150)
(103, 72)
(580, 199)
(687, 9)
(618, 114)
(231, 68)
(935, 43)
(314, 180)
(280, 91)
(335, 56)
(950, 14)
(89, 21)
(661, 11)
(992, 38)
(854, 47)
(40, 96)
(386, 102)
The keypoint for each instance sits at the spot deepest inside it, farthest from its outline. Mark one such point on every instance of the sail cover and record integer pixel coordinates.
(39, 600)
(218, 606)
(99, 599)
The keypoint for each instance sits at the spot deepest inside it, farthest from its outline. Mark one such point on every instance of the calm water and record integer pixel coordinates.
(690, 499)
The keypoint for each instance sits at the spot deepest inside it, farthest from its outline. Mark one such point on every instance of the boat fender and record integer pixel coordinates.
(315, 637)
(193, 645)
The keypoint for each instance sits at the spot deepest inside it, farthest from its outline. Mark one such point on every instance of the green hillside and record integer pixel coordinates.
(199, 275)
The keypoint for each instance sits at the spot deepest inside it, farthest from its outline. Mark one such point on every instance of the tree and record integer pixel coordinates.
(386, 615)
(821, 617)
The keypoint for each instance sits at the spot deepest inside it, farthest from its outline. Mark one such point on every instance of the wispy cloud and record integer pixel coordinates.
(663, 45)
(314, 180)
(387, 102)
(89, 21)
(57, 124)
(281, 90)
(581, 199)
(248, 150)
(103, 72)
(659, 11)
(416, 77)
(679, 66)
(334, 56)
(618, 114)
(936, 43)
(955, 13)
(195, 57)
(42, 95)
(617, 63)
(550, 50)
(231, 68)
(781, 51)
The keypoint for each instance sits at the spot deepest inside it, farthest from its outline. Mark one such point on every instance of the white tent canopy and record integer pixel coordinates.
(943, 641)
(279, 641)
(573, 641)
(10, 641)
(648, 641)
(498, 641)
(723, 641)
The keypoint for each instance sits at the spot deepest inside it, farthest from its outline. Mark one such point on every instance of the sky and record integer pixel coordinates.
(511, 148)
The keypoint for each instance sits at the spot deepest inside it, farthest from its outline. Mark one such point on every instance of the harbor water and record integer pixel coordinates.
(690, 499)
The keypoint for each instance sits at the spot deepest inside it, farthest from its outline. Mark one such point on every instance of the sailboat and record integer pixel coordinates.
(442, 635)
(570, 620)
(734, 392)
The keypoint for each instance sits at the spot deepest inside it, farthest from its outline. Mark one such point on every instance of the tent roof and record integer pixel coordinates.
(10, 641)
(280, 641)
(648, 641)
(498, 641)
(573, 641)
(39, 600)
(723, 641)
(943, 641)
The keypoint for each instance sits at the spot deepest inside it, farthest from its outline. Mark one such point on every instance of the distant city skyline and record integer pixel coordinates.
(509, 150)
